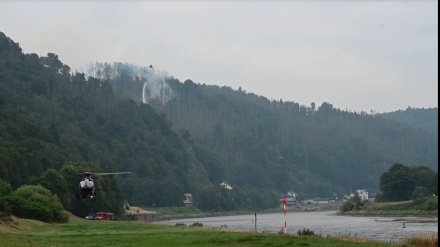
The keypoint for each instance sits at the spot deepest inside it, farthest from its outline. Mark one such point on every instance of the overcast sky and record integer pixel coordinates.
(356, 55)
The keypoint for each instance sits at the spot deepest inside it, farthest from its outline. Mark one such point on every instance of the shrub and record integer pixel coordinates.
(198, 224)
(431, 204)
(306, 232)
(36, 202)
(354, 203)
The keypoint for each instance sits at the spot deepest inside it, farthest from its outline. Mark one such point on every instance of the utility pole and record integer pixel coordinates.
(255, 222)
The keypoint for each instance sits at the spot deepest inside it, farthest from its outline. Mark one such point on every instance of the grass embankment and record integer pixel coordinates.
(80, 232)
(427, 208)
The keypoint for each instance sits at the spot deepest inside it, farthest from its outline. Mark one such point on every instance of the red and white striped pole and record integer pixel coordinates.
(285, 222)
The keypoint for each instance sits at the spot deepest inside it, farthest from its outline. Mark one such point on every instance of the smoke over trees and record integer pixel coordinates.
(142, 84)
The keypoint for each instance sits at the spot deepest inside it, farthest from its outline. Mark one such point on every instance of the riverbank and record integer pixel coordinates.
(170, 213)
(430, 217)
(427, 208)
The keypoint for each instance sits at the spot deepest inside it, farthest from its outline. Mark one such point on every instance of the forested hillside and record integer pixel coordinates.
(184, 137)
(323, 149)
(426, 119)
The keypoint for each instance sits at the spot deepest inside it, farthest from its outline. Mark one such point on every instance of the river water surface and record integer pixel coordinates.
(324, 223)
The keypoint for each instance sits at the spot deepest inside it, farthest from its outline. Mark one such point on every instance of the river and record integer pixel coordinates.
(324, 223)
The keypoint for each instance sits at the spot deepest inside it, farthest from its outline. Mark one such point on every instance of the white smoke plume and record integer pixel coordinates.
(154, 86)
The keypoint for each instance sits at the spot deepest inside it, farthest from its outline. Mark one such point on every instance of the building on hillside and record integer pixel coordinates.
(188, 201)
(290, 198)
(226, 186)
(363, 194)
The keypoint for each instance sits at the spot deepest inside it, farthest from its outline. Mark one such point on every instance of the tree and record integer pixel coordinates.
(5, 191)
(208, 199)
(397, 184)
(54, 181)
(433, 183)
(354, 203)
(53, 63)
(420, 193)
(5, 188)
(422, 175)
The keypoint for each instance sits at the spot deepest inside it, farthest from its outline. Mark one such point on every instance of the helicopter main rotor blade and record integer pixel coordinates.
(110, 173)
(106, 173)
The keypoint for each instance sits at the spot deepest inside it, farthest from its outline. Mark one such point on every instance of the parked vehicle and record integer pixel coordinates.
(106, 216)
(101, 216)
(91, 216)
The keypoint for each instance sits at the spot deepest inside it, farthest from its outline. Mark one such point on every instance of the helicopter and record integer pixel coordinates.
(86, 188)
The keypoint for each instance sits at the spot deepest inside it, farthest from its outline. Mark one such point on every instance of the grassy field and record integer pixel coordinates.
(80, 232)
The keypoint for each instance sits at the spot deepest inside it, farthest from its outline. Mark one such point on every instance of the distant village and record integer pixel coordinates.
(291, 197)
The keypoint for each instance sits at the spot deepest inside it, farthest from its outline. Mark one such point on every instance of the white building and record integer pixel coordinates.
(188, 201)
(226, 186)
(363, 194)
(290, 198)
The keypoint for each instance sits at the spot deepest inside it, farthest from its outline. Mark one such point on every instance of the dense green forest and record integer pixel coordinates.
(426, 119)
(184, 137)
(322, 147)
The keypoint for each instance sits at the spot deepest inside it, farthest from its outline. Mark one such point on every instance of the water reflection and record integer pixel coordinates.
(326, 223)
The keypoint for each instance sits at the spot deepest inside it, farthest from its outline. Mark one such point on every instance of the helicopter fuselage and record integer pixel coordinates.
(86, 189)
